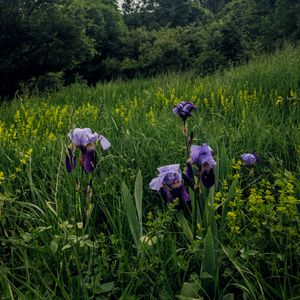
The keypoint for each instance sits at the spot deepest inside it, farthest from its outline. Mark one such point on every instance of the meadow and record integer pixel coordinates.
(106, 235)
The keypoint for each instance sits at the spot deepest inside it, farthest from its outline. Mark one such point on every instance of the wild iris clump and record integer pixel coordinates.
(170, 184)
(85, 140)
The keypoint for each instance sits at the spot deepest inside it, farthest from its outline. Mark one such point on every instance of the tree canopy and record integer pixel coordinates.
(96, 40)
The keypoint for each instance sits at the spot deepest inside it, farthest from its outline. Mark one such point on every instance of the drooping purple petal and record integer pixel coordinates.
(70, 160)
(169, 168)
(181, 194)
(156, 183)
(184, 194)
(105, 144)
(89, 160)
(82, 137)
(249, 158)
(169, 175)
(201, 155)
(165, 193)
(208, 178)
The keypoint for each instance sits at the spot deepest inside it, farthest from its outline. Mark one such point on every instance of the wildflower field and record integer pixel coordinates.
(85, 214)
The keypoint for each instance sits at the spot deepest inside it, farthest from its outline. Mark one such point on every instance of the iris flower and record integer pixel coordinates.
(170, 184)
(85, 140)
(202, 157)
(184, 109)
(249, 159)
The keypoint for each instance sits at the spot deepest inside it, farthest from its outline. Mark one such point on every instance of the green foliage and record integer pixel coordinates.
(55, 36)
(124, 242)
(40, 38)
(156, 14)
(94, 41)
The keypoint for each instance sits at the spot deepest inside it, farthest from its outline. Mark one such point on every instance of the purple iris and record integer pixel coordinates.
(184, 109)
(85, 140)
(249, 159)
(170, 184)
(202, 156)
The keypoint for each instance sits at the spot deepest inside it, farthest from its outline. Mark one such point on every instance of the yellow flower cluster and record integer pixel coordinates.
(271, 207)
(293, 98)
(122, 113)
(150, 116)
(164, 101)
(86, 111)
(236, 166)
(129, 109)
(45, 121)
(24, 160)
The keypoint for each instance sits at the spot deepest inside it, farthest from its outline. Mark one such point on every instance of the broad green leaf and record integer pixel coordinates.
(131, 213)
(223, 163)
(107, 287)
(205, 275)
(209, 264)
(188, 291)
(229, 296)
(185, 226)
(54, 246)
(138, 195)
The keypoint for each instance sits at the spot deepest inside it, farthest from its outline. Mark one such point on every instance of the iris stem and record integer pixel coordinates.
(197, 204)
(185, 133)
(195, 215)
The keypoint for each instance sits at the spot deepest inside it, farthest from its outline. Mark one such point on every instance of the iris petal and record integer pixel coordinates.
(184, 194)
(165, 193)
(105, 144)
(208, 178)
(184, 109)
(89, 160)
(250, 158)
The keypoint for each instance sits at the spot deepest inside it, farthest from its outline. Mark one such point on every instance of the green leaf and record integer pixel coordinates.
(107, 287)
(205, 275)
(185, 226)
(49, 205)
(53, 246)
(131, 213)
(26, 237)
(138, 195)
(229, 296)
(188, 291)
(209, 265)
(65, 247)
(210, 211)
(223, 163)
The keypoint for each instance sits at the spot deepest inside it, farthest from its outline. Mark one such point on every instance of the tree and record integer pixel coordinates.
(37, 37)
(108, 31)
(155, 14)
(214, 5)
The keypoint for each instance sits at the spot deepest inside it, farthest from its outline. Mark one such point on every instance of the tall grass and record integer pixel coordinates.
(126, 243)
